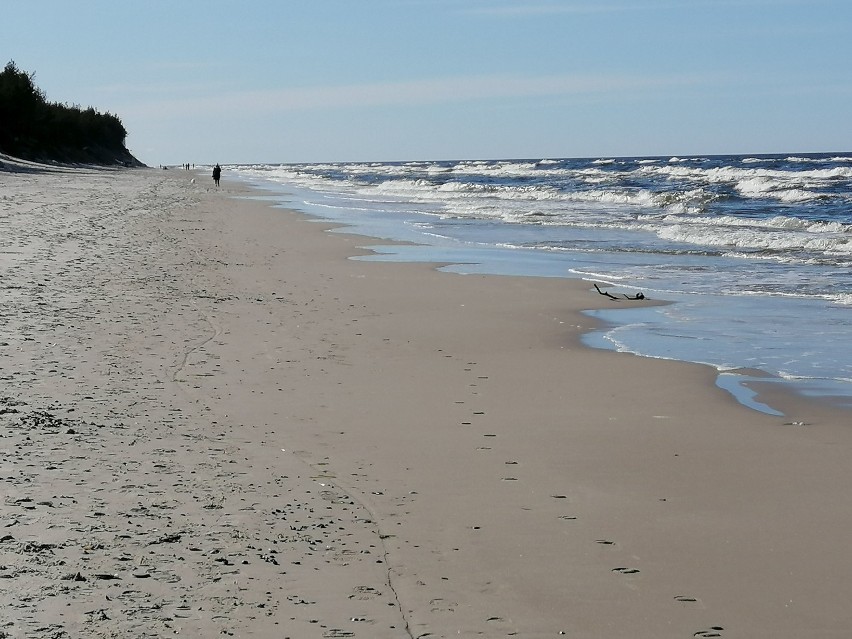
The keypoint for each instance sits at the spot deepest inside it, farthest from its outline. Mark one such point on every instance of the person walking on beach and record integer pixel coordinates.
(217, 171)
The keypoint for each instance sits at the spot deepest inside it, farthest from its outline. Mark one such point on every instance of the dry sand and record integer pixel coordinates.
(214, 424)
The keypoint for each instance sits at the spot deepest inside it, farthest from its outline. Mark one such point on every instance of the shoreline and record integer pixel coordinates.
(747, 386)
(428, 454)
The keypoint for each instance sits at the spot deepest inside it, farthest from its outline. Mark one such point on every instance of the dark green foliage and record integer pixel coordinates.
(33, 128)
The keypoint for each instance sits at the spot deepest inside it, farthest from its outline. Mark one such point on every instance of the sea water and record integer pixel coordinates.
(754, 252)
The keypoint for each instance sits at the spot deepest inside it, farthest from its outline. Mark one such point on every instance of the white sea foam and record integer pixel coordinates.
(797, 195)
(743, 237)
(820, 160)
(844, 299)
(733, 174)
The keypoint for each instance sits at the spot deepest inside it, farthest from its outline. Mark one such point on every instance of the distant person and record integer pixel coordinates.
(217, 172)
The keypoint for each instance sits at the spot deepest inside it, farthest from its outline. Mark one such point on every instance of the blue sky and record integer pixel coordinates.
(337, 80)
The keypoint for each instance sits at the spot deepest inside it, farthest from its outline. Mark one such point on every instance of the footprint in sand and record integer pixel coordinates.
(364, 593)
(336, 497)
(442, 605)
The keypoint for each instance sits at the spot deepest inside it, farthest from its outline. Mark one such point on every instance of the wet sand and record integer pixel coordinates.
(214, 424)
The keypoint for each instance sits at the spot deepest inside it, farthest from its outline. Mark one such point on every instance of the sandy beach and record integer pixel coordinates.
(213, 423)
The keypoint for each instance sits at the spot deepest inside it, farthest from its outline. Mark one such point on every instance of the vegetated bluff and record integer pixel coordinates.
(32, 128)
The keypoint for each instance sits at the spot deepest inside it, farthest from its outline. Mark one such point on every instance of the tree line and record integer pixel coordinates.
(33, 128)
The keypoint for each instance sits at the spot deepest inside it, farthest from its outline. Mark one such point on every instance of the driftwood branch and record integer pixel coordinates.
(638, 296)
(609, 295)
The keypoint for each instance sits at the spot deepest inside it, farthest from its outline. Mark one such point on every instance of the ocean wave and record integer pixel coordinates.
(819, 160)
(796, 158)
(798, 195)
(757, 239)
(768, 187)
(423, 189)
(788, 187)
(595, 181)
(499, 168)
(734, 174)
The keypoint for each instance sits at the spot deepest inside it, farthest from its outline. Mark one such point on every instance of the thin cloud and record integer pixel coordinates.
(413, 93)
(585, 7)
(161, 88)
(543, 9)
